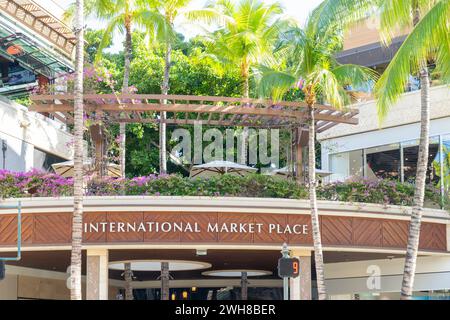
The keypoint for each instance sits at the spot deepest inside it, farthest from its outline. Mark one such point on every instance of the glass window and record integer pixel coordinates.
(346, 165)
(383, 162)
(410, 156)
(43, 160)
(444, 172)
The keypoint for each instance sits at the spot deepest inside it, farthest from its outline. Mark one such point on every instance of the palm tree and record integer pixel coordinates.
(170, 10)
(428, 41)
(77, 219)
(308, 55)
(123, 15)
(245, 38)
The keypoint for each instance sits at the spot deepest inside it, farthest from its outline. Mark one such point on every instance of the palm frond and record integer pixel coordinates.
(274, 84)
(354, 74)
(429, 36)
(113, 24)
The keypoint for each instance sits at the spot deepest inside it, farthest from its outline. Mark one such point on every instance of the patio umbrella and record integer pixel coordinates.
(65, 169)
(285, 172)
(220, 167)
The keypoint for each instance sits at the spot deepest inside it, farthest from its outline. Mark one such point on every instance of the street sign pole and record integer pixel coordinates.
(285, 254)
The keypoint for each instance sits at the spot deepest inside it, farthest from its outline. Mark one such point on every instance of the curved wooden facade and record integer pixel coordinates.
(137, 222)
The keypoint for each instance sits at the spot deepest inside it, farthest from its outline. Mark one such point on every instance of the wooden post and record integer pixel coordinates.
(298, 156)
(244, 286)
(165, 281)
(128, 276)
(98, 138)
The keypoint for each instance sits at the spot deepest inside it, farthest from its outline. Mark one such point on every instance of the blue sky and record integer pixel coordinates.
(299, 9)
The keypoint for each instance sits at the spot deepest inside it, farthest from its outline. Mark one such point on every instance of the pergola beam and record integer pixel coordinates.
(216, 111)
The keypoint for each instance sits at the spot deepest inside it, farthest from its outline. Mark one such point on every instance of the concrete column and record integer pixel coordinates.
(97, 274)
(300, 287)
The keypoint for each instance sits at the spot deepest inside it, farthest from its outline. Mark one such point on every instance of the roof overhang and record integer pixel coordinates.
(41, 22)
(370, 55)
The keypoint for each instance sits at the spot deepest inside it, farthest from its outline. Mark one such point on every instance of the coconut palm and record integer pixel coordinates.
(247, 31)
(170, 10)
(307, 56)
(122, 16)
(77, 219)
(429, 41)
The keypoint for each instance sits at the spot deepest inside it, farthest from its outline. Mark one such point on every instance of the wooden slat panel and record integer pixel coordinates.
(395, 233)
(125, 217)
(202, 219)
(271, 237)
(336, 230)
(367, 232)
(162, 236)
(52, 228)
(94, 217)
(229, 218)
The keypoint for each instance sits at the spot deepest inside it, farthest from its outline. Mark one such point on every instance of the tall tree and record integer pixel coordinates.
(77, 219)
(428, 42)
(247, 31)
(123, 16)
(306, 56)
(170, 10)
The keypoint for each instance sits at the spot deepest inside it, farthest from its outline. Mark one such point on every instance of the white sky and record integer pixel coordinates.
(299, 9)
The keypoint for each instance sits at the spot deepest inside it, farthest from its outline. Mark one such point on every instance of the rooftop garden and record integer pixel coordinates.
(42, 184)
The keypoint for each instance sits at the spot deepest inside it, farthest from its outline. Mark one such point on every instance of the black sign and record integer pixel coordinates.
(2, 269)
(288, 267)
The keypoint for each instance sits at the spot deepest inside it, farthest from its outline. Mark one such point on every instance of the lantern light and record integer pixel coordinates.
(14, 49)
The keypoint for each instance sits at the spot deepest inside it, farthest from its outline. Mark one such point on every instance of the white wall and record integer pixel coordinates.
(8, 287)
(401, 124)
(343, 278)
(24, 130)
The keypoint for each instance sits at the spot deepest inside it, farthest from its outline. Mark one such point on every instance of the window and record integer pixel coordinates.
(383, 162)
(43, 160)
(443, 172)
(347, 165)
(410, 156)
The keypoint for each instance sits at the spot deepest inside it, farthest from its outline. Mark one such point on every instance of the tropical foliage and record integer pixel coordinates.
(42, 184)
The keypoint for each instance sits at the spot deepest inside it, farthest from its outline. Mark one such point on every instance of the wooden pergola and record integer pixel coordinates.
(181, 110)
(185, 110)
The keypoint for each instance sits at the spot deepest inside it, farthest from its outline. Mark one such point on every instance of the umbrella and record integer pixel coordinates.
(65, 169)
(220, 167)
(285, 172)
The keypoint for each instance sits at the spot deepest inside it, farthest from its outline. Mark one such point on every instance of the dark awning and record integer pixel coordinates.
(370, 55)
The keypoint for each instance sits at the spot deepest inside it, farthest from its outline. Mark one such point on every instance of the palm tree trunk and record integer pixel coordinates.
(419, 190)
(126, 79)
(77, 219)
(162, 126)
(246, 94)
(318, 254)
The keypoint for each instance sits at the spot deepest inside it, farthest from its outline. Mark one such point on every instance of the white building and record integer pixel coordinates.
(388, 149)
(30, 140)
